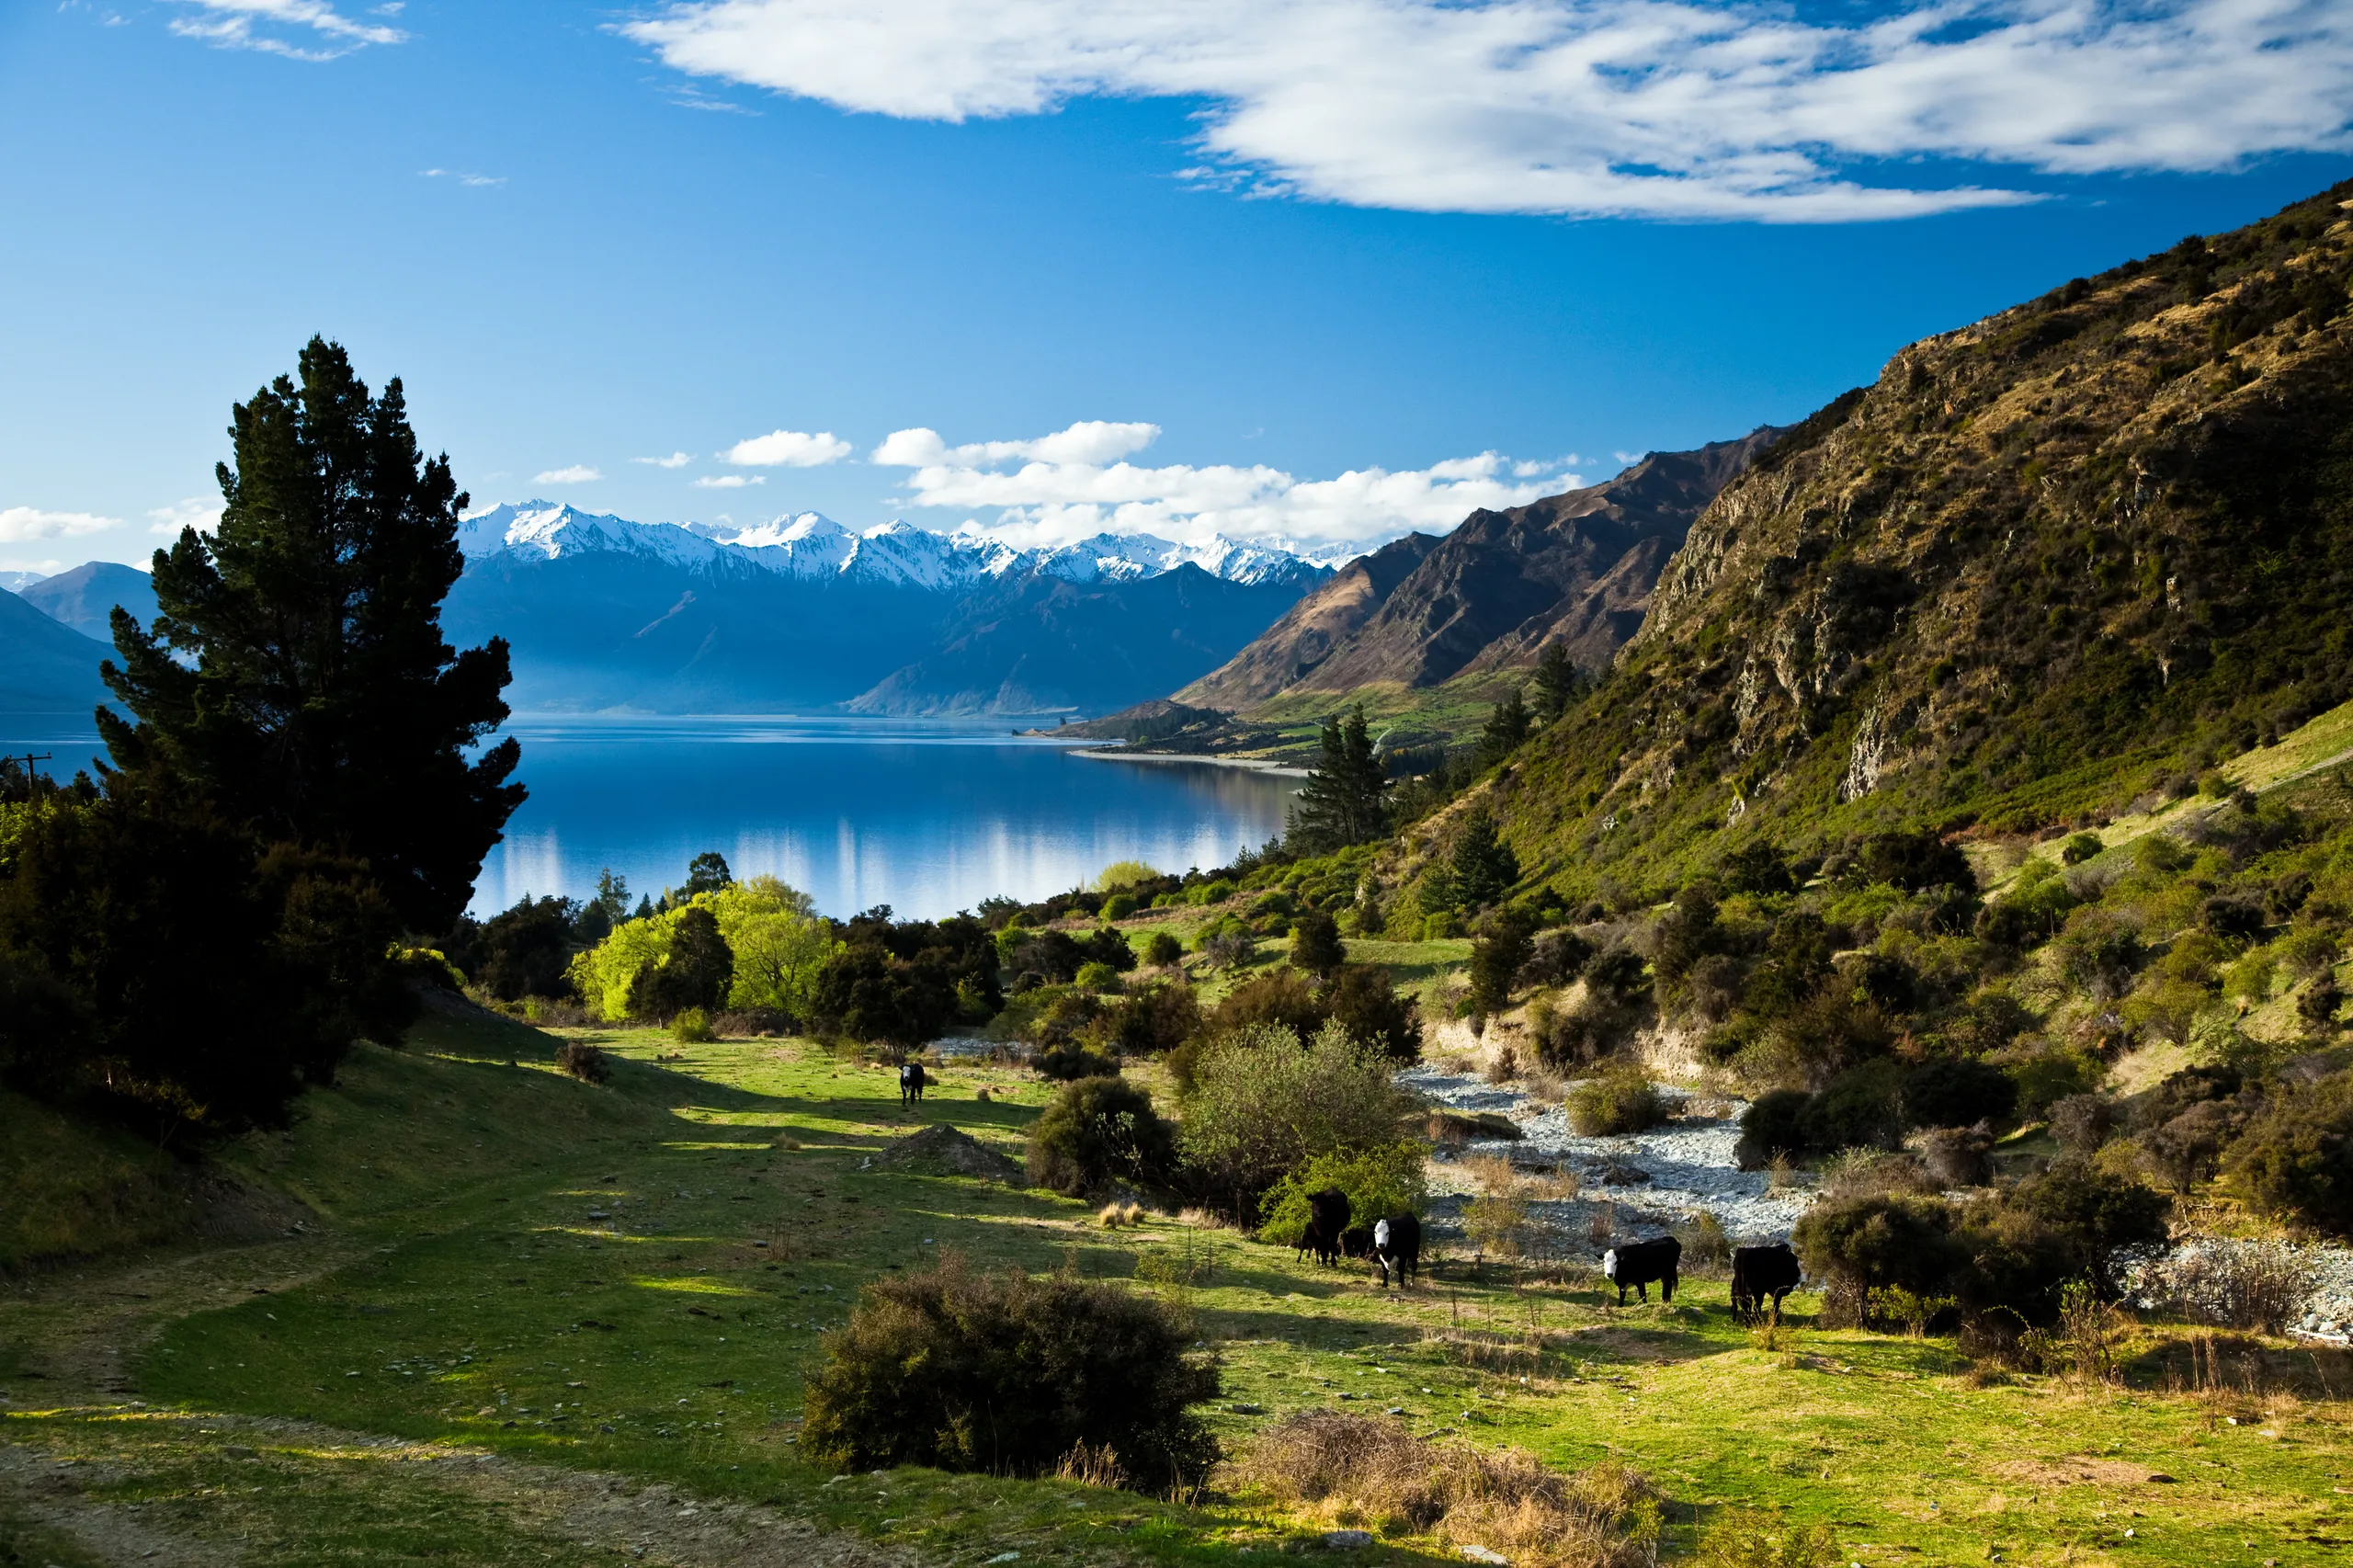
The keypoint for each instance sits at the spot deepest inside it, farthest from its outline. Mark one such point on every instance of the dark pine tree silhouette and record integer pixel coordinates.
(318, 702)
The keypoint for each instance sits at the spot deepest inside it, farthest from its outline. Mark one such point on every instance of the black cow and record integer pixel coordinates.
(911, 1083)
(1397, 1248)
(1327, 1216)
(1758, 1273)
(1357, 1242)
(1639, 1262)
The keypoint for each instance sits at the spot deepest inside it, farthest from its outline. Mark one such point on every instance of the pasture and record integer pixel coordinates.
(531, 1320)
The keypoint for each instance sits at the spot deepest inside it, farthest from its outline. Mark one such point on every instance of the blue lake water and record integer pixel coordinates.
(927, 817)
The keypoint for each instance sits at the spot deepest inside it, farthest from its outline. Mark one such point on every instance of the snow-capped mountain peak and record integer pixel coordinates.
(896, 554)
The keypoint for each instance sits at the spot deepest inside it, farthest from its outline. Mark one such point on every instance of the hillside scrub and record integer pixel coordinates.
(1264, 1103)
(1008, 1374)
(1100, 1129)
(1379, 1183)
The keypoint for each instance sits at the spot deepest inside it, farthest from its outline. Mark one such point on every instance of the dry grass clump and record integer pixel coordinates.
(1116, 1215)
(1371, 1472)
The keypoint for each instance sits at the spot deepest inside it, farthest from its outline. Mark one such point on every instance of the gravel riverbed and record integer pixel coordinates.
(1652, 1181)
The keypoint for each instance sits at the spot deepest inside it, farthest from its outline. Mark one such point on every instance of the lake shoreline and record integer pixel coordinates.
(1255, 765)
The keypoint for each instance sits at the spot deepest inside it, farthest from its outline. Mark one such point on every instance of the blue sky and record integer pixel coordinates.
(1318, 270)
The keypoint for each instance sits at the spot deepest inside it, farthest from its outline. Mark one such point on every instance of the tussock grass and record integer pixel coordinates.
(1370, 1471)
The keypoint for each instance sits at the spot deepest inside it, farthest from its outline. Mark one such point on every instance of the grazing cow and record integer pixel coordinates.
(1397, 1248)
(911, 1082)
(1639, 1262)
(1357, 1242)
(1327, 1216)
(1758, 1273)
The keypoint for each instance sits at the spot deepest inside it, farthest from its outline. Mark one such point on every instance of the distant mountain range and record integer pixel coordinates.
(1577, 569)
(605, 613)
(47, 669)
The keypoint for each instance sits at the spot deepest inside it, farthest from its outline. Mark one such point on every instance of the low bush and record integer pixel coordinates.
(692, 1025)
(1957, 1092)
(1618, 1103)
(1371, 1469)
(1098, 1130)
(2295, 1159)
(1119, 907)
(1262, 1103)
(1006, 1375)
(583, 1060)
(1773, 1127)
(1095, 975)
(2081, 1123)
(1163, 950)
(1859, 1109)
(1861, 1244)
(1379, 1183)
(1074, 1060)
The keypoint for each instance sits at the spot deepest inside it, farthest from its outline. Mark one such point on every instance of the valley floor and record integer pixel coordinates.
(536, 1321)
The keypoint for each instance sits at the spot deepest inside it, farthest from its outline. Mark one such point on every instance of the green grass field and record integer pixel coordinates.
(532, 1320)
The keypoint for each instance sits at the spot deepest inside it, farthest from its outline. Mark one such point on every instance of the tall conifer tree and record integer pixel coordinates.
(296, 678)
(1341, 802)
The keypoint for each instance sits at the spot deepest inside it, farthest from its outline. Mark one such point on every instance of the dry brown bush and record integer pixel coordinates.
(1371, 1469)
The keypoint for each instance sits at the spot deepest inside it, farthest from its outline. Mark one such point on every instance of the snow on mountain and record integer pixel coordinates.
(15, 582)
(895, 554)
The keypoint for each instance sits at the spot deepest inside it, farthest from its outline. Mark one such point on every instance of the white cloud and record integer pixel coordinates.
(578, 473)
(788, 448)
(676, 460)
(195, 512)
(461, 177)
(1678, 108)
(729, 480)
(265, 25)
(18, 523)
(1062, 487)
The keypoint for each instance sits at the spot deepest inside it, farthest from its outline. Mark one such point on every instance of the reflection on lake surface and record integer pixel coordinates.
(927, 817)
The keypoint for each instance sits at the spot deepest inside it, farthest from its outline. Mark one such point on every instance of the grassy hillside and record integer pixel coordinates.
(2044, 565)
(541, 1321)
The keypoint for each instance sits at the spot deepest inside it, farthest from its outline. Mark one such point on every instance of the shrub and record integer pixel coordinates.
(2080, 848)
(1379, 1183)
(692, 1025)
(1262, 1103)
(2188, 1149)
(2050, 1074)
(2094, 1212)
(1124, 875)
(1364, 1001)
(1375, 1468)
(1957, 1092)
(1774, 1125)
(1858, 1110)
(2081, 1123)
(1496, 959)
(1316, 944)
(1280, 999)
(1163, 950)
(1097, 1130)
(2295, 1160)
(1153, 1019)
(1119, 907)
(1071, 1060)
(1006, 1375)
(1868, 1244)
(583, 1060)
(1098, 976)
(2248, 1285)
(1958, 1157)
(1616, 1103)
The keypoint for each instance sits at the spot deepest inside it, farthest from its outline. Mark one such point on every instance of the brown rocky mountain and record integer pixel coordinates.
(1576, 568)
(1289, 651)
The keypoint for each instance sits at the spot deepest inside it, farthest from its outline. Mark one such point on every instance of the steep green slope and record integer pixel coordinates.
(2066, 556)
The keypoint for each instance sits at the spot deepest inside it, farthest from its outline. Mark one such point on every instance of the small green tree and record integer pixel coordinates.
(1099, 1128)
(1558, 684)
(1315, 945)
(707, 873)
(1263, 1103)
(1507, 725)
(1497, 958)
(1483, 865)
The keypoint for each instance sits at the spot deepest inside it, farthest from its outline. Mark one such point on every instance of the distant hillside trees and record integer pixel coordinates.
(1341, 802)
